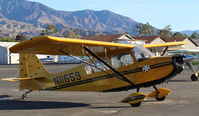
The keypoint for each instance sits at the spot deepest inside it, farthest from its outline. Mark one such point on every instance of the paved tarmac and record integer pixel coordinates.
(183, 101)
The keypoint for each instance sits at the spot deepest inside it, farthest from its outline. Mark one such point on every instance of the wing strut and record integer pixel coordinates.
(165, 51)
(110, 67)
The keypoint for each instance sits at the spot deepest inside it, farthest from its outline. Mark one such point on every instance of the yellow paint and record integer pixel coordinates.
(159, 72)
(135, 95)
(163, 92)
(20, 79)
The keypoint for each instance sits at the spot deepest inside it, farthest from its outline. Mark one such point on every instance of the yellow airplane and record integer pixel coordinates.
(112, 67)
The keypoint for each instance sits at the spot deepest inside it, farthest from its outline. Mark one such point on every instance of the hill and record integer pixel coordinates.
(30, 16)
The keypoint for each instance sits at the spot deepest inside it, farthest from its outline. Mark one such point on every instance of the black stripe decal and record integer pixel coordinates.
(106, 76)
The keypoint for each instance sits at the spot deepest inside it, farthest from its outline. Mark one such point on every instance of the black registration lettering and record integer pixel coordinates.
(66, 78)
(77, 75)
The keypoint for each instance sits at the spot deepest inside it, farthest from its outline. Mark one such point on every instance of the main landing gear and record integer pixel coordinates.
(136, 99)
(195, 75)
(25, 94)
(159, 94)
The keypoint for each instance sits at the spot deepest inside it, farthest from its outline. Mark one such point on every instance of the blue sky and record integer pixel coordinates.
(180, 14)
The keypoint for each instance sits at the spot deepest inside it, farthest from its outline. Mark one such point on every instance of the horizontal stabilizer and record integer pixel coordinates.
(20, 79)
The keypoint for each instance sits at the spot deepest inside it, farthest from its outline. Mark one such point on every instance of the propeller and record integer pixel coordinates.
(195, 75)
(187, 59)
(181, 60)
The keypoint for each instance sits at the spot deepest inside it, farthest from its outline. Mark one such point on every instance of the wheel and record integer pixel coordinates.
(136, 104)
(194, 77)
(160, 99)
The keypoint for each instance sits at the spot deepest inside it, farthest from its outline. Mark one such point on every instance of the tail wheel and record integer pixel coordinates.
(160, 98)
(136, 104)
(194, 77)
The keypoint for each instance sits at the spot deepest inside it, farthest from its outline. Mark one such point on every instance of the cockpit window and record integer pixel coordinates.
(97, 67)
(121, 60)
(142, 53)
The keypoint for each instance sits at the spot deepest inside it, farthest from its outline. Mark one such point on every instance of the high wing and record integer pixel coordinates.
(59, 46)
(53, 45)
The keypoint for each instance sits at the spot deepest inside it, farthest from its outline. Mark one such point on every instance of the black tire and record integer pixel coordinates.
(194, 77)
(136, 104)
(160, 99)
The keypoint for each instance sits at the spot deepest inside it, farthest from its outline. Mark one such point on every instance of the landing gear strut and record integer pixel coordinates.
(138, 90)
(158, 92)
(25, 94)
(195, 76)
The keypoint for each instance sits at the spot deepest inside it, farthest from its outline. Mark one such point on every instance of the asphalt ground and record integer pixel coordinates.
(183, 101)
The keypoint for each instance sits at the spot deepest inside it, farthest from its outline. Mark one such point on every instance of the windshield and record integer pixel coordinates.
(142, 53)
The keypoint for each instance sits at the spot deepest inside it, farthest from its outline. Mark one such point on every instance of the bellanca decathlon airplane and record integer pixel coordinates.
(111, 67)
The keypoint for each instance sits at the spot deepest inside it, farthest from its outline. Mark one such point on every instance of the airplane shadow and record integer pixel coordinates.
(16, 104)
(180, 81)
(104, 107)
(150, 100)
(4, 96)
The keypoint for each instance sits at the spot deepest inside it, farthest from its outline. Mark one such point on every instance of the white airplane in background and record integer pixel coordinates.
(195, 52)
(188, 51)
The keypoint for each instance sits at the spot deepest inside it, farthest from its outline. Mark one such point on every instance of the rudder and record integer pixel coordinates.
(31, 66)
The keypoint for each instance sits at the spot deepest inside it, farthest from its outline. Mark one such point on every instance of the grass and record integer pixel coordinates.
(195, 62)
(7, 40)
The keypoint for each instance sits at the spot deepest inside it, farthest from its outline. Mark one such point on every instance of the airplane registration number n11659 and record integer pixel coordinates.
(67, 78)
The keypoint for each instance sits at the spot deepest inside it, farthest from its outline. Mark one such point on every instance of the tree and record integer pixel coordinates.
(185, 35)
(49, 30)
(21, 37)
(145, 29)
(165, 32)
(194, 35)
(72, 34)
(6, 39)
(178, 35)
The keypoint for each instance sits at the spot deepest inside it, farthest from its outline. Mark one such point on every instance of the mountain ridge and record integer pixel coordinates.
(189, 32)
(39, 15)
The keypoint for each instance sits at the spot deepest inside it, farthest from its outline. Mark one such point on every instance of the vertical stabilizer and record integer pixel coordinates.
(31, 67)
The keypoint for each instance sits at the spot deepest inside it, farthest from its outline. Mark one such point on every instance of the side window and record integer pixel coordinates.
(121, 60)
(99, 66)
(91, 69)
(115, 61)
(126, 59)
(88, 69)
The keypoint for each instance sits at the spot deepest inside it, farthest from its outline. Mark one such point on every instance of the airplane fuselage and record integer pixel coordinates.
(146, 73)
(143, 74)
